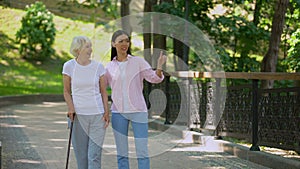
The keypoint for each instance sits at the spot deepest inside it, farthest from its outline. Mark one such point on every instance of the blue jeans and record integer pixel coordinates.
(87, 140)
(139, 123)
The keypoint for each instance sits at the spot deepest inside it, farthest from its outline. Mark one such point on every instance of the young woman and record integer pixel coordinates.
(85, 93)
(125, 74)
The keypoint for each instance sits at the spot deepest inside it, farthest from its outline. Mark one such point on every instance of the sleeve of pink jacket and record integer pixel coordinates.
(149, 74)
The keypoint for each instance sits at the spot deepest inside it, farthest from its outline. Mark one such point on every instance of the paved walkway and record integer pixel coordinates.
(34, 136)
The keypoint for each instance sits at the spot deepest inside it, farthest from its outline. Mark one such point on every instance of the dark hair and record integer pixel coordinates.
(113, 38)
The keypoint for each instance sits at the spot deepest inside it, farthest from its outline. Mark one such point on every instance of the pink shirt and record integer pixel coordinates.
(129, 88)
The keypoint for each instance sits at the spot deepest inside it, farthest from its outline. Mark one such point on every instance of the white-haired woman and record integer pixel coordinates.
(85, 93)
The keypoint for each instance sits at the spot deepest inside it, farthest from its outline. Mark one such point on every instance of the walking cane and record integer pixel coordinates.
(69, 144)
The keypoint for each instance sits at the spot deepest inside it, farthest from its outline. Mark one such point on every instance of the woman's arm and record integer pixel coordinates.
(68, 97)
(102, 84)
(156, 76)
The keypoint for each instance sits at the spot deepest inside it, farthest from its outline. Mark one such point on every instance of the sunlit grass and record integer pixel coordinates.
(18, 76)
(21, 77)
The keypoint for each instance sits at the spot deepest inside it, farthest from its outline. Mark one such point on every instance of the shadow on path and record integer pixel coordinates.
(17, 151)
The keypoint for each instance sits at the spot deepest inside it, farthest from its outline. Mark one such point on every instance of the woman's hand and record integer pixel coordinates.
(71, 115)
(161, 60)
(106, 119)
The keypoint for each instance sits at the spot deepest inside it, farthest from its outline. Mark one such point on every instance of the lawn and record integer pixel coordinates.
(18, 76)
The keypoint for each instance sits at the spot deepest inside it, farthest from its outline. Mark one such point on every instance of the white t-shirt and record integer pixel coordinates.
(85, 86)
(122, 69)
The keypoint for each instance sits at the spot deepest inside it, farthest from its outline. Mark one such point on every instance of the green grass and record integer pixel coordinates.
(18, 76)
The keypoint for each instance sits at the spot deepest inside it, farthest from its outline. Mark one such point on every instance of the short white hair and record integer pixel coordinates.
(77, 44)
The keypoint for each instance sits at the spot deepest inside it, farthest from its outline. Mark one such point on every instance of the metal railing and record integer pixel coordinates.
(248, 114)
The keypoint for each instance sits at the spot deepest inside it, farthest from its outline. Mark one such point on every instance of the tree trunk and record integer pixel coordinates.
(159, 40)
(159, 43)
(257, 12)
(125, 10)
(270, 59)
(147, 38)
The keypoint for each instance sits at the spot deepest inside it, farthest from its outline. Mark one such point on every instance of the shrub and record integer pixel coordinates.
(37, 33)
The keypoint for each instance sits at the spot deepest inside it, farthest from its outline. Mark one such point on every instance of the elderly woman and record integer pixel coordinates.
(85, 93)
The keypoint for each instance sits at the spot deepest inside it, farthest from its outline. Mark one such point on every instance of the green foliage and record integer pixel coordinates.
(293, 59)
(233, 32)
(109, 7)
(37, 33)
(229, 31)
(240, 43)
(166, 7)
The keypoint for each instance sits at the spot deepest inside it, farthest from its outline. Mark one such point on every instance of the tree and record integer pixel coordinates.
(270, 59)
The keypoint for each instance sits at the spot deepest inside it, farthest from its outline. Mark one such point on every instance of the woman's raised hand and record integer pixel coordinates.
(161, 60)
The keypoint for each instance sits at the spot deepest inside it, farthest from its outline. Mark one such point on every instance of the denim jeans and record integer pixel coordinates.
(139, 123)
(87, 140)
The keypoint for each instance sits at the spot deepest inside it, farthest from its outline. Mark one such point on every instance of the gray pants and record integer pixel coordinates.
(87, 140)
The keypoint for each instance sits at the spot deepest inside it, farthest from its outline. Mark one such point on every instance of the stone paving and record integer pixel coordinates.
(35, 136)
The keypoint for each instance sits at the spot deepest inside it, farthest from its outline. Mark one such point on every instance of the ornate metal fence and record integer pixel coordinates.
(236, 119)
(279, 118)
(269, 117)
